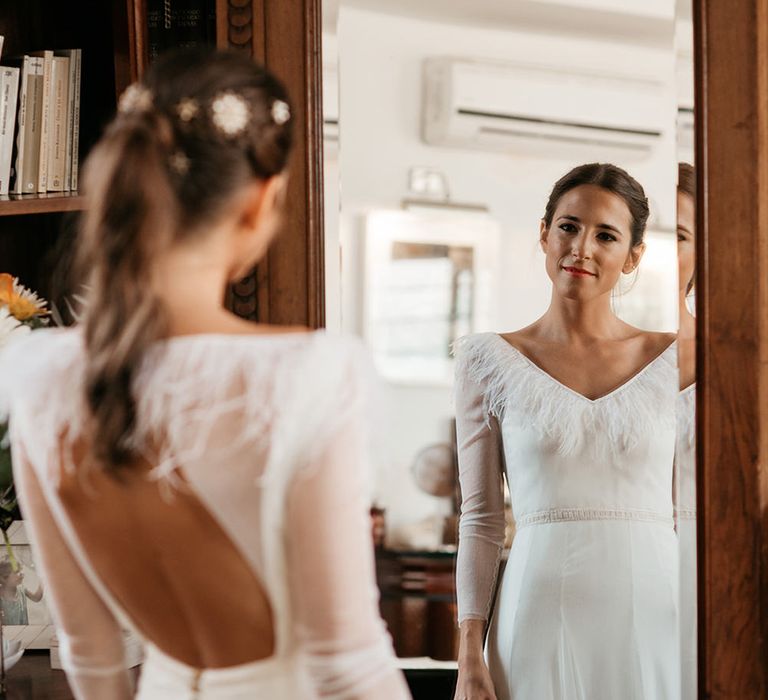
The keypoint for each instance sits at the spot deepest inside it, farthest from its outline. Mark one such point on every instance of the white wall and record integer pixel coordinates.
(380, 61)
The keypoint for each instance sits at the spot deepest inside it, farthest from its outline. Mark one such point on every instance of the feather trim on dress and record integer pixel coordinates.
(614, 423)
(296, 388)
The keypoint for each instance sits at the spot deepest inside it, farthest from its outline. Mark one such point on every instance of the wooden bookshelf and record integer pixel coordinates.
(51, 203)
(35, 230)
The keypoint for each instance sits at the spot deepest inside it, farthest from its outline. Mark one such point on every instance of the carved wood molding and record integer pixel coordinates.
(293, 52)
(288, 286)
(237, 21)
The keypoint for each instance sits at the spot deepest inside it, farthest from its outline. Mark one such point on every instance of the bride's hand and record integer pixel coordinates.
(474, 680)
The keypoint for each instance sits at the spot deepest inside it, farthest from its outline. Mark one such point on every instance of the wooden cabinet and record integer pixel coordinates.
(37, 231)
(418, 602)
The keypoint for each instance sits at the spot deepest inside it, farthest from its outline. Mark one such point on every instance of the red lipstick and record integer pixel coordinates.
(578, 271)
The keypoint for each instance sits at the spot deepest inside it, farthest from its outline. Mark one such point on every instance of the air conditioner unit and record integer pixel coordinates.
(504, 106)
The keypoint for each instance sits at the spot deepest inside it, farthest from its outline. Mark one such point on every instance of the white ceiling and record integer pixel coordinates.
(637, 21)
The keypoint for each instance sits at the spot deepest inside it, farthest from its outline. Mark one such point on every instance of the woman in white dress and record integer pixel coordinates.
(685, 455)
(184, 473)
(577, 411)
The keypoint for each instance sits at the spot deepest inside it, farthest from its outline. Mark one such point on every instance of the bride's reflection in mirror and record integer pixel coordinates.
(577, 412)
(446, 128)
(685, 455)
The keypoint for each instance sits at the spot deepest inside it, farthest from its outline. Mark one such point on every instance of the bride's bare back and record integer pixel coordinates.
(177, 574)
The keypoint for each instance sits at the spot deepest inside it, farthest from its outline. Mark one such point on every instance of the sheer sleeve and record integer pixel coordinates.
(90, 639)
(331, 569)
(481, 524)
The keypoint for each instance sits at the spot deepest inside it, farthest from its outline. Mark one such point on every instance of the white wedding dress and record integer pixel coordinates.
(587, 608)
(685, 475)
(248, 423)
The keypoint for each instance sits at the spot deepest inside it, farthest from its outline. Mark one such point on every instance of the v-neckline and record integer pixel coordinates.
(624, 385)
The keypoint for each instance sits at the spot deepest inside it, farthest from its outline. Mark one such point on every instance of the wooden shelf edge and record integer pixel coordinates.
(16, 205)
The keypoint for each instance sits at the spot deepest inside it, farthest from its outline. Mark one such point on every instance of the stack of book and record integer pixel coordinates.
(40, 122)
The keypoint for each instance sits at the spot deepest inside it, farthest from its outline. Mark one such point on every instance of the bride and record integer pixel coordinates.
(577, 412)
(182, 472)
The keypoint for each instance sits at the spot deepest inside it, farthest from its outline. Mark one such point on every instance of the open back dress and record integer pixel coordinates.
(238, 546)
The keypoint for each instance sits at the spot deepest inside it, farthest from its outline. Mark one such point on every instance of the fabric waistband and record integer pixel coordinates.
(685, 513)
(560, 515)
(165, 677)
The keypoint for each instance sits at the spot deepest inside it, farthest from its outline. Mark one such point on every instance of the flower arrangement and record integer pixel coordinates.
(21, 311)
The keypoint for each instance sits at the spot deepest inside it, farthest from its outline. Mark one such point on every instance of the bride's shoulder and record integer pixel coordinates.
(39, 352)
(658, 340)
(310, 359)
(659, 344)
(328, 358)
(40, 371)
(474, 343)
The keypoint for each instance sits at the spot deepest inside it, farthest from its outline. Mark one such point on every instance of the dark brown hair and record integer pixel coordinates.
(611, 178)
(155, 179)
(686, 179)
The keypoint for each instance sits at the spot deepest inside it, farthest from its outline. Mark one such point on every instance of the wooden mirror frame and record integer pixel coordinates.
(731, 67)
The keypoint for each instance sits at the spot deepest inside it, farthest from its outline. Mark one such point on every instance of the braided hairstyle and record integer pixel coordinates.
(201, 126)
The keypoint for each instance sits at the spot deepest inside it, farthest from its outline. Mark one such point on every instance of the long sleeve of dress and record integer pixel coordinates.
(481, 525)
(332, 573)
(90, 639)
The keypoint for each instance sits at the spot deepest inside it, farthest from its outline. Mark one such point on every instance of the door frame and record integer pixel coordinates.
(731, 73)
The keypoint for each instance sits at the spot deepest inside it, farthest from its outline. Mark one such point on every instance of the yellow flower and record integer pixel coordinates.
(21, 302)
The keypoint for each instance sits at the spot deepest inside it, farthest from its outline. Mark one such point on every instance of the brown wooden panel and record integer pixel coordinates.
(237, 29)
(732, 317)
(123, 31)
(293, 52)
(141, 35)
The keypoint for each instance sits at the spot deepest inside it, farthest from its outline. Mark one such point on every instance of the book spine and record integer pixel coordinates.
(33, 126)
(78, 59)
(69, 55)
(154, 24)
(46, 121)
(18, 183)
(190, 23)
(8, 96)
(57, 140)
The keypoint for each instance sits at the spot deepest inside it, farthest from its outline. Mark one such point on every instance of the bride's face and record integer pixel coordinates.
(588, 244)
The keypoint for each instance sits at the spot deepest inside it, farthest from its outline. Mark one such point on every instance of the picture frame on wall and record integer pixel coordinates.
(28, 618)
(430, 278)
(25, 612)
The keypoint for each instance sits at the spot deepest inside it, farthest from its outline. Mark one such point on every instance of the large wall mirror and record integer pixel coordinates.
(446, 128)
